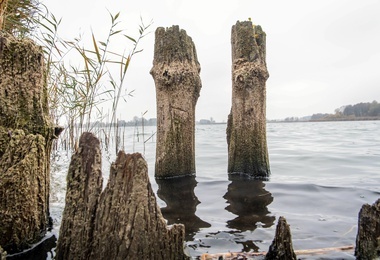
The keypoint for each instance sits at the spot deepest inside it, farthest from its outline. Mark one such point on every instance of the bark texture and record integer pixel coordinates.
(176, 75)
(26, 135)
(123, 221)
(368, 237)
(246, 128)
(23, 92)
(84, 185)
(282, 246)
(3, 7)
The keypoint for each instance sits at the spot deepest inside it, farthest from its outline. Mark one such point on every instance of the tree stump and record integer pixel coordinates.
(123, 221)
(26, 135)
(282, 246)
(246, 128)
(84, 185)
(368, 237)
(176, 75)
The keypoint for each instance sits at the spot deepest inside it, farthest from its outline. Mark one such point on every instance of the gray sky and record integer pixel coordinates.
(320, 54)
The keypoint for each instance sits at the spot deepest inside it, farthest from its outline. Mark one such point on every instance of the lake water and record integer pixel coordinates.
(321, 175)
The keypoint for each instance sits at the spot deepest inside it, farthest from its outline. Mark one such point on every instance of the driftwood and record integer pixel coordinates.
(281, 248)
(176, 75)
(246, 127)
(368, 237)
(260, 255)
(124, 221)
(26, 135)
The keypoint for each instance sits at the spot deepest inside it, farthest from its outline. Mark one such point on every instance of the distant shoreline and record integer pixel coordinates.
(308, 121)
(326, 120)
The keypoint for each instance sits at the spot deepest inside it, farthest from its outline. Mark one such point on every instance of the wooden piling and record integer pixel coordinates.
(246, 128)
(176, 75)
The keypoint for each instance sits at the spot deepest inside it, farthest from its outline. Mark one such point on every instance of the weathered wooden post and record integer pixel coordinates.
(368, 237)
(84, 185)
(26, 135)
(176, 75)
(282, 245)
(123, 221)
(246, 129)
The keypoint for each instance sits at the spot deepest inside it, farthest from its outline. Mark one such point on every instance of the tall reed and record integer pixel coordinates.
(18, 17)
(82, 91)
(76, 93)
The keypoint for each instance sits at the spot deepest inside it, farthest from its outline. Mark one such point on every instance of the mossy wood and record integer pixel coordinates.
(246, 128)
(26, 135)
(368, 237)
(122, 222)
(176, 75)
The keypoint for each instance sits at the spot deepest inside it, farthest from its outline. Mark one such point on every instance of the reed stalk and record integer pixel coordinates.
(82, 91)
(76, 94)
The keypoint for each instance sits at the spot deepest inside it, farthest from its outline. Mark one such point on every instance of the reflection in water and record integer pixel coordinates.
(178, 194)
(249, 200)
(41, 251)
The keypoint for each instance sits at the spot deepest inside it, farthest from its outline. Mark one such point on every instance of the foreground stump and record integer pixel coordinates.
(84, 185)
(127, 223)
(176, 75)
(368, 237)
(246, 128)
(282, 246)
(26, 135)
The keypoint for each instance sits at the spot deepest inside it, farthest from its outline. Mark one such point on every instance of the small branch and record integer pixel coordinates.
(320, 251)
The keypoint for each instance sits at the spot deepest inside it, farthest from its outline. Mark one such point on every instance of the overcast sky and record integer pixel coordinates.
(320, 54)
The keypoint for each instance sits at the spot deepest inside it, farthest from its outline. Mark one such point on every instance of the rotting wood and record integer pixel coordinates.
(84, 185)
(246, 127)
(176, 75)
(128, 206)
(123, 221)
(26, 136)
(282, 245)
(368, 236)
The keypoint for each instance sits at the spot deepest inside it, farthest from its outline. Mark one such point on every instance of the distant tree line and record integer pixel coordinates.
(137, 121)
(363, 109)
(360, 111)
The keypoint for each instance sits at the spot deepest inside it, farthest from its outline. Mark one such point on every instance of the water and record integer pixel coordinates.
(321, 175)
